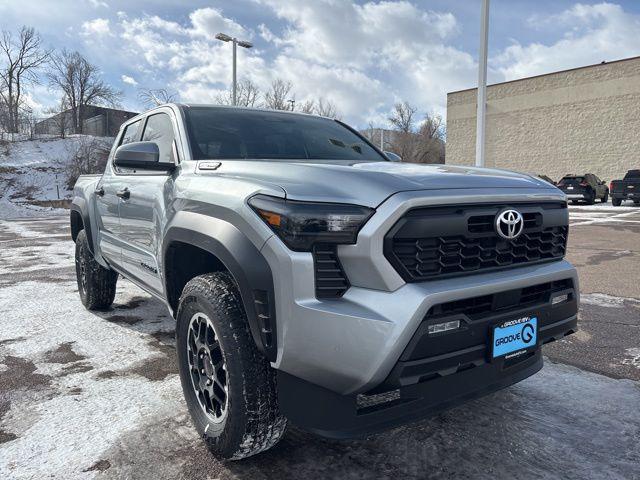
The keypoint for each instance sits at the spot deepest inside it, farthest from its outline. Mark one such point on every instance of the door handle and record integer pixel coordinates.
(124, 193)
(99, 191)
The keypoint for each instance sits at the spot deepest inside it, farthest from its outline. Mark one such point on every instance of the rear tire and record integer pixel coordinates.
(591, 199)
(232, 400)
(605, 199)
(96, 284)
(616, 201)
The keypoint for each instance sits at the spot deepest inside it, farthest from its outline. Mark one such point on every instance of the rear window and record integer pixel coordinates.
(632, 175)
(571, 180)
(225, 133)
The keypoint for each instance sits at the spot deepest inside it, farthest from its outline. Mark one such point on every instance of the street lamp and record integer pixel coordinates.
(226, 38)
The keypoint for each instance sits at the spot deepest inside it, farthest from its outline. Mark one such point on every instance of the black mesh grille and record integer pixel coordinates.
(478, 307)
(331, 281)
(441, 243)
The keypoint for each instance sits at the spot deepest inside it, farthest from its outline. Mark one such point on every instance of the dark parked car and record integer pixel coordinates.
(626, 189)
(546, 179)
(587, 187)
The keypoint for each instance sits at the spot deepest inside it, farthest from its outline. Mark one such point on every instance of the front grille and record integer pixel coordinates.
(440, 242)
(331, 281)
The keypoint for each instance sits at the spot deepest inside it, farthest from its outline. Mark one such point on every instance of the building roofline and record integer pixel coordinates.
(549, 73)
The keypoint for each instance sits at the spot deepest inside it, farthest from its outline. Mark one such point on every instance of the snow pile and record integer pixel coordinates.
(604, 300)
(33, 172)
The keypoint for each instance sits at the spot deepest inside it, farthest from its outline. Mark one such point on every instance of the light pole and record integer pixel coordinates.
(226, 38)
(481, 112)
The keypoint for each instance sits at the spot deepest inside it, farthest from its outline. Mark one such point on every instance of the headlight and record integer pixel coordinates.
(301, 224)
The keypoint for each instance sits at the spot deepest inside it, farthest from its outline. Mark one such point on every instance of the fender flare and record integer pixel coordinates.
(244, 262)
(79, 205)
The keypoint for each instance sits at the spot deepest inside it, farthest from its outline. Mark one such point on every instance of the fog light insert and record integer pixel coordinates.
(444, 327)
(560, 299)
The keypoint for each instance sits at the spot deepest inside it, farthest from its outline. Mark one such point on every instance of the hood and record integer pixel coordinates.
(369, 184)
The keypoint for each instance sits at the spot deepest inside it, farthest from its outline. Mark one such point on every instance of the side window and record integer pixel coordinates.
(131, 133)
(160, 130)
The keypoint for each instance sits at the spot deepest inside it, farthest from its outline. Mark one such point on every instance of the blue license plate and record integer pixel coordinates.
(514, 337)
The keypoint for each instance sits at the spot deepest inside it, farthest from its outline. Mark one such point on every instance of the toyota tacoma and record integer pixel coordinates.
(313, 280)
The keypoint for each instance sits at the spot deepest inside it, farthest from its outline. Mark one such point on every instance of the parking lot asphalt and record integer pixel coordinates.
(86, 395)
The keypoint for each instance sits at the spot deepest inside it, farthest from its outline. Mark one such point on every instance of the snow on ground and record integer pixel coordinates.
(97, 395)
(604, 300)
(634, 357)
(36, 170)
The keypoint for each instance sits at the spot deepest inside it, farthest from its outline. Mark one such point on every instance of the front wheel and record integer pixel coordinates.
(616, 201)
(591, 198)
(228, 384)
(96, 284)
(605, 199)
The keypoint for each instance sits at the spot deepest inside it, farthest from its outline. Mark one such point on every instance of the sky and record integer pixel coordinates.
(364, 56)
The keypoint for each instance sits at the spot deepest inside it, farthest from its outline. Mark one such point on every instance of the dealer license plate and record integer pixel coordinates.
(515, 337)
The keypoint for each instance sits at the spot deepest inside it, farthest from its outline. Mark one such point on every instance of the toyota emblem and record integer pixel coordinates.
(509, 224)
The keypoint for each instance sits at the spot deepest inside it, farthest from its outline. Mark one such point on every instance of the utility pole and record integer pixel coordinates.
(227, 38)
(235, 83)
(482, 84)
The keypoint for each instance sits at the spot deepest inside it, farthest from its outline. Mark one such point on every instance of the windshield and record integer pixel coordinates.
(226, 133)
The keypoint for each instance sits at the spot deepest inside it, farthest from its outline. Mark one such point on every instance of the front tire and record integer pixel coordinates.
(591, 199)
(229, 386)
(96, 284)
(605, 199)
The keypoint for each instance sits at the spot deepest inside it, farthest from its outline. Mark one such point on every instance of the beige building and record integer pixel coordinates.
(583, 120)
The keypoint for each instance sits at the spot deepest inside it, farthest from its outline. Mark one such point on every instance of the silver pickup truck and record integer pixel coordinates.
(314, 281)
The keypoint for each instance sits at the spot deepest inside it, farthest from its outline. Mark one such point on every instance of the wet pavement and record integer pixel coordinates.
(85, 395)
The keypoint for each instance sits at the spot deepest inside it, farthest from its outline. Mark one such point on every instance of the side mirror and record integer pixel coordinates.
(143, 155)
(393, 156)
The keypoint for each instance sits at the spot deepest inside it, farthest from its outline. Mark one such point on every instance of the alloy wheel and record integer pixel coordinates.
(207, 367)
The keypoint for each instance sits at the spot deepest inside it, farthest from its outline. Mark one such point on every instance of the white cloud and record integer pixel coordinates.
(96, 27)
(207, 22)
(593, 33)
(128, 80)
(98, 4)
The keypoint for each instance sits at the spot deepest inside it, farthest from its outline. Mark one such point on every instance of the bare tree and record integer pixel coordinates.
(88, 155)
(278, 96)
(308, 107)
(22, 57)
(151, 97)
(402, 117)
(247, 95)
(326, 108)
(422, 143)
(81, 84)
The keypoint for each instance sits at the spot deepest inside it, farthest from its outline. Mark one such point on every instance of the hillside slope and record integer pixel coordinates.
(34, 174)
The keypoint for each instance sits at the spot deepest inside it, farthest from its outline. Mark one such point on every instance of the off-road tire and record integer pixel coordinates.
(616, 202)
(252, 423)
(591, 199)
(605, 199)
(96, 284)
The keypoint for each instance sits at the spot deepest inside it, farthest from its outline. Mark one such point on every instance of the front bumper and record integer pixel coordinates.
(328, 414)
(435, 372)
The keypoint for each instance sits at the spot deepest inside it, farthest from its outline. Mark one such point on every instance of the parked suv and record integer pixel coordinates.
(586, 187)
(314, 281)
